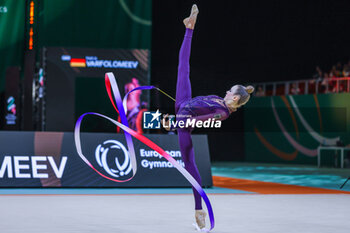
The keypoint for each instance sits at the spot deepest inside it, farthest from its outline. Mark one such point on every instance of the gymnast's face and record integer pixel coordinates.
(237, 96)
(231, 100)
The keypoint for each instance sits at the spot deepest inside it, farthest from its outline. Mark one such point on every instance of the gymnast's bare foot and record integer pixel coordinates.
(191, 21)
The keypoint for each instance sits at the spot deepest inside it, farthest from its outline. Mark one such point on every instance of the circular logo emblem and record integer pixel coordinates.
(114, 158)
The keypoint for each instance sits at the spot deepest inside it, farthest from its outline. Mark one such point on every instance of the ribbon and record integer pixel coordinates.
(111, 84)
(135, 89)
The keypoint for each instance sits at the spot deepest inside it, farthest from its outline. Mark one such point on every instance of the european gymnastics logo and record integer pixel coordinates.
(118, 158)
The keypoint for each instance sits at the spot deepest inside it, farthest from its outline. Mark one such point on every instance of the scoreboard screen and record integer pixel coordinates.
(74, 83)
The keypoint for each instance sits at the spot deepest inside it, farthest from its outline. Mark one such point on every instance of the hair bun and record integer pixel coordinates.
(249, 89)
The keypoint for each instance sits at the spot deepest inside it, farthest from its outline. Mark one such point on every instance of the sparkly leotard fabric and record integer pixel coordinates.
(204, 107)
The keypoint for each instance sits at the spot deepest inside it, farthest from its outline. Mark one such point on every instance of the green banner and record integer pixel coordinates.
(80, 23)
(288, 129)
(96, 24)
(12, 20)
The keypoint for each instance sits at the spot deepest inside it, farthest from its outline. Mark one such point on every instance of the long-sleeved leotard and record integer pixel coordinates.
(200, 108)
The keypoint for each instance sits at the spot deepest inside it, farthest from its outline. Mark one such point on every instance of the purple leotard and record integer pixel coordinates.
(204, 107)
(201, 108)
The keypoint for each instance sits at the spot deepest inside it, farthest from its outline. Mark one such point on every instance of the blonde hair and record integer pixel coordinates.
(243, 92)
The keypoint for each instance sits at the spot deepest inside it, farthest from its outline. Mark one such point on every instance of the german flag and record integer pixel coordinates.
(77, 62)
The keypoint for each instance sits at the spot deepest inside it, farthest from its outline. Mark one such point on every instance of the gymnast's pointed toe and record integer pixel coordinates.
(200, 218)
(191, 20)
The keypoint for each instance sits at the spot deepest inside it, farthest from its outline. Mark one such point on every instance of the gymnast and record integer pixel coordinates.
(199, 108)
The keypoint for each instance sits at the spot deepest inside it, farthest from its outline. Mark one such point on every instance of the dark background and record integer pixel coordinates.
(250, 41)
(244, 41)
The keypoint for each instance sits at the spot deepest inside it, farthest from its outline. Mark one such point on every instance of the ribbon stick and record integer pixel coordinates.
(111, 84)
(135, 89)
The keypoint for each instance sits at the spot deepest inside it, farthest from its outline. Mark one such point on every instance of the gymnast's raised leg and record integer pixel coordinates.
(183, 94)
